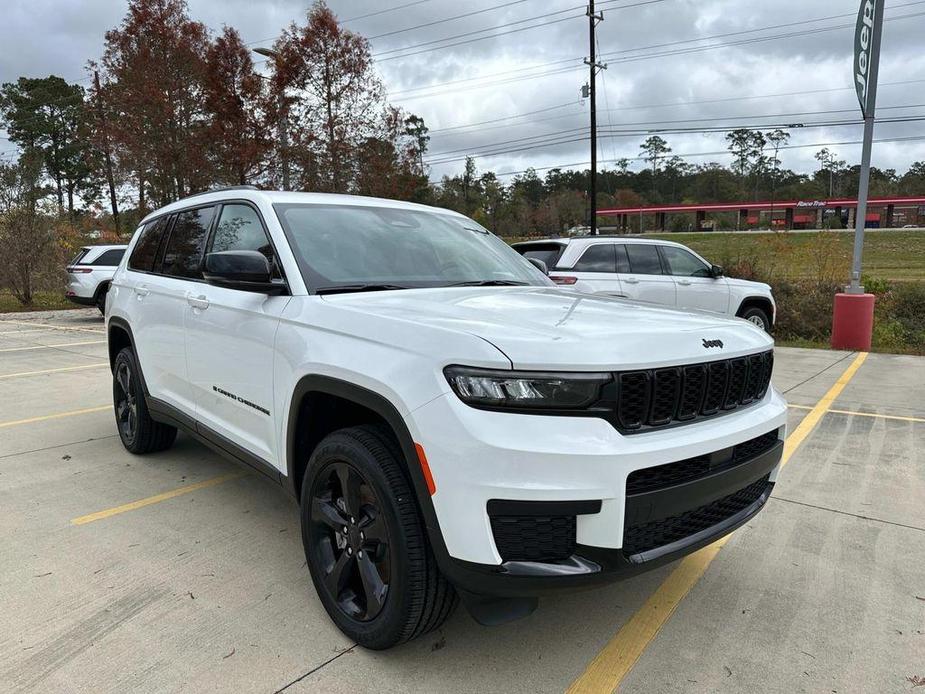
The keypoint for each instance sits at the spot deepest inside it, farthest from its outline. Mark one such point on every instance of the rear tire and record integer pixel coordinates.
(101, 298)
(365, 542)
(139, 432)
(758, 317)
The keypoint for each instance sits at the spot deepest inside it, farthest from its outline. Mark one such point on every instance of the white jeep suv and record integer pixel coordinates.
(450, 421)
(660, 272)
(89, 274)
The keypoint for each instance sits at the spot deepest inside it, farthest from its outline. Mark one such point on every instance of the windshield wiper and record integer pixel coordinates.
(348, 288)
(489, 283)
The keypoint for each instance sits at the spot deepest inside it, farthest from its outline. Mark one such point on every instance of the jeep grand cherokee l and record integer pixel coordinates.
(452, 423)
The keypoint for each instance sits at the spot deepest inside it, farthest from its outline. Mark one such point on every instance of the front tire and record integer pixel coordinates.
(758, 317)
(365, 543)
(139, 432)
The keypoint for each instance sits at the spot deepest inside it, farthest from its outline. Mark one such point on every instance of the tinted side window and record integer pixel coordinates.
(684, 264)
(644, 259)
(184, 248)
(112, 257)
(142, 257)
(597, 258)
(240, 229)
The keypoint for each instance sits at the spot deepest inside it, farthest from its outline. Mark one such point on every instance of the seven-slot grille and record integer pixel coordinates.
(659, 397)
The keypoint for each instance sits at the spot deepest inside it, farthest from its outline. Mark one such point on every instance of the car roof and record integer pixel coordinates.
(284, 197)
(588, 240)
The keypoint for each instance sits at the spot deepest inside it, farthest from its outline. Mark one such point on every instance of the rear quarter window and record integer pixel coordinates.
(110, 258)
(548, 253)
(142, 258)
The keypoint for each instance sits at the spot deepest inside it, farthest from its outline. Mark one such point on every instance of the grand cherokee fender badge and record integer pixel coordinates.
(243, 401)
(712, 343)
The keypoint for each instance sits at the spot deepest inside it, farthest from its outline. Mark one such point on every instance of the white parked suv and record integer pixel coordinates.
(660, 272)
(89, 274)
(450, 421)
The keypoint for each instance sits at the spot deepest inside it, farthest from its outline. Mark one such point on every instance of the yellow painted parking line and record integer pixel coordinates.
(72, 413)
(617, 658)
(156, 499)
(62, 344)
(54, 371)
(52, 327)
(876, 415)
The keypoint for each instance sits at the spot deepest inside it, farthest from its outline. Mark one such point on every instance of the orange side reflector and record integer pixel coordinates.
(425, 468)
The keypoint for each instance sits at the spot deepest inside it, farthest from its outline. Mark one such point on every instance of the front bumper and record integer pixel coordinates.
(478, 456)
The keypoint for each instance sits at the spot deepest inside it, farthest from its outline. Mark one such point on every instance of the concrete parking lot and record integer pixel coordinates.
(177, 572)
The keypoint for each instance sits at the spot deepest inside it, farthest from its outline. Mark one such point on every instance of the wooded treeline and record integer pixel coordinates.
(174, 107)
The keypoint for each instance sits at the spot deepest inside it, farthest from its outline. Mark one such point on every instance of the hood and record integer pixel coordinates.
(551, 328)
(749, 284)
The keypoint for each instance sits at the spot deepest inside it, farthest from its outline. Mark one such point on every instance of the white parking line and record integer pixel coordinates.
(53, 327)
(62, 344)
(52, 371)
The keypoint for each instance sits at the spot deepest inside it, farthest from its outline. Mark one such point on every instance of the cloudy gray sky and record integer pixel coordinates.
(509, 77)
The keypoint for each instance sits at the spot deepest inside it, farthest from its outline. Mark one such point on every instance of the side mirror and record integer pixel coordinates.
(245, 270)
(716, 271)
(539, 265)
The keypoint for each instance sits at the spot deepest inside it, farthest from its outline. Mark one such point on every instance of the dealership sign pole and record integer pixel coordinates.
(853, 314)
(866, 66)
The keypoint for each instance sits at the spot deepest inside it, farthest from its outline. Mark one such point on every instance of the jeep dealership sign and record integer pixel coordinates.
(863, 42)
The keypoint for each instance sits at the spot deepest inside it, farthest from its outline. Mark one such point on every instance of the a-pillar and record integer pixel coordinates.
(888, 222)
(788, 219)
(660, 220)
(701, 218)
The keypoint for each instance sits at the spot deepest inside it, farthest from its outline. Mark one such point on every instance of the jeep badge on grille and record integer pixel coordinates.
(712, 343)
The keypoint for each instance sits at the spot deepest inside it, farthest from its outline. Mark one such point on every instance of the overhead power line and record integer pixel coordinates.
(582, 135)
(615, 56)
(645, 127)
(913, 138)
(518, 22)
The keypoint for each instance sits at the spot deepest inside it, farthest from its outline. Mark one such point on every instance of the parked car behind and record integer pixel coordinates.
(658, 272)
(90, 272)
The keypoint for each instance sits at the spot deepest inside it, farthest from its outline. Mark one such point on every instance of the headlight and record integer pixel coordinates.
(526, 389)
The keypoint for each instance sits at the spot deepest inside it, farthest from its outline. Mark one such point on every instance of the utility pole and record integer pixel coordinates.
(594, 67)
(107, 153)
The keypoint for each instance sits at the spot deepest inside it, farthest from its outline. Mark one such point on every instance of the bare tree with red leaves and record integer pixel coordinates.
(155, 67)
(336, 100)
(239, 111)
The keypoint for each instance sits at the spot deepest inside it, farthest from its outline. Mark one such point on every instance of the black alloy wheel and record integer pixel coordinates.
(139, 432)
(365, 541)
(126, 403)
(350, 541)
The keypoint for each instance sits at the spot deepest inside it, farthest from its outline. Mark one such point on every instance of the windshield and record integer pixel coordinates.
(360, 247)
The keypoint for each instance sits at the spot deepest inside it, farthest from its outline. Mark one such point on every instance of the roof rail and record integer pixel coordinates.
(223, 189)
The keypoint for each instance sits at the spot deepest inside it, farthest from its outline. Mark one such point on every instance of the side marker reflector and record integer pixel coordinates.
(425, 468)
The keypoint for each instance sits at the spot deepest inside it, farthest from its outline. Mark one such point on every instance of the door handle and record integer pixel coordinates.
(631, 280)
(686, 283)
(200, 302)
(142, 290)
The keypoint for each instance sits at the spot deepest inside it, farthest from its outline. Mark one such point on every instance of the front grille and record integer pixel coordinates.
(660, 397)
(663, 476)
(534, 538)
(647, 536)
